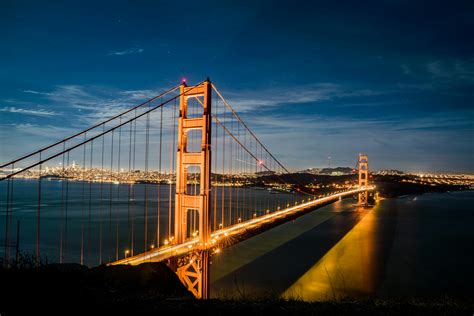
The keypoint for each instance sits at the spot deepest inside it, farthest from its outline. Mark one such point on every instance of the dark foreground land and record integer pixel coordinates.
(152, 289)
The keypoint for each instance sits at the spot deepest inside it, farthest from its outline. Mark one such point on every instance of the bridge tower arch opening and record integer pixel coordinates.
(363, 178)
(193, 270)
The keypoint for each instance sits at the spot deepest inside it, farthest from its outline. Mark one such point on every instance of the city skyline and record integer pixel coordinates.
(396, 84)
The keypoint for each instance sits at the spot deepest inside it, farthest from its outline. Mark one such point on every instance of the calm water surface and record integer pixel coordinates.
(411, 246)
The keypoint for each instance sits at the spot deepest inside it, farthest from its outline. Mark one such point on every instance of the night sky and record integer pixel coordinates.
(313, 79)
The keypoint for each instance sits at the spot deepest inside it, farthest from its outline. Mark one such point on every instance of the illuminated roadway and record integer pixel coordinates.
(169, 251)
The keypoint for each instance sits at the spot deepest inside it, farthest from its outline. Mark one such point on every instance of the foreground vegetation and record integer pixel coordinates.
(152, 288)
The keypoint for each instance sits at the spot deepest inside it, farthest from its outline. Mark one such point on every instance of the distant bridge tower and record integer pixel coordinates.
(363, 178)
(193, 270)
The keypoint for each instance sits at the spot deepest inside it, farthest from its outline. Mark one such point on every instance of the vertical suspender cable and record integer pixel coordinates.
(62, 210)
(89, 220)
(117, 222)
(147, 141)
(83, 176)
(101, 203)
(111, 194)
(38, 216)
(159, 183)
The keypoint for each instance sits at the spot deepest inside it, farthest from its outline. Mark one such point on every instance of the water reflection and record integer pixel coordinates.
(348, 269)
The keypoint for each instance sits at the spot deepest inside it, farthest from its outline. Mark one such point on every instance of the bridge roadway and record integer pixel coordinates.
(173, 250)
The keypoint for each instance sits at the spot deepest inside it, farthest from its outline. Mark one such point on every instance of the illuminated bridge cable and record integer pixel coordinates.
(248, 147)
(38, 216)
(83, 184)
(253, 135)
(66, 209)
(89, 215)
(159, 182)
(129, 239)
(132, 246)
(214, 171)
(90, 128)
(230, 175)
(222, 175)
(92, 138)
(61, 228)
(110, 196)
(147, 141)
(101, 203)
(117, 220)
(85, 175)
(246, 127)
(7, 220)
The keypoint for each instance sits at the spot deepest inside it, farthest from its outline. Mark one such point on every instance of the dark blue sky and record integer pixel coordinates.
(314, 79)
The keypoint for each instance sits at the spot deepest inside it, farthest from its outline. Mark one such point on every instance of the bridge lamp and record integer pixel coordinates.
(166, 242)
(152, 246)
(126, 253)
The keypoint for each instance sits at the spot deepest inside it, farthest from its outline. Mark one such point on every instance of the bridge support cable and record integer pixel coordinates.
(94, 127)
(89, 196)
(158, 193)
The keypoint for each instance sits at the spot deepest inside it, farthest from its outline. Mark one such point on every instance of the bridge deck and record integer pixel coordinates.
(169, 251)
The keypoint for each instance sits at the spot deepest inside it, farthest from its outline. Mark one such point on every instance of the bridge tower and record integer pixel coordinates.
(193, 270)
(363, 178)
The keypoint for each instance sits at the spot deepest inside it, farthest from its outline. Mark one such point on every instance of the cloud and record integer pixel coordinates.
(134, 50)
(39, 112)
(245, 101)
(37, 92)
(406, 70)
(94, 104)
(435, 72)
(46, 131)
(455, 69)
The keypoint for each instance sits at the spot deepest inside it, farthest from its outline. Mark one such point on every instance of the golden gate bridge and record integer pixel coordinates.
(175, 179)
